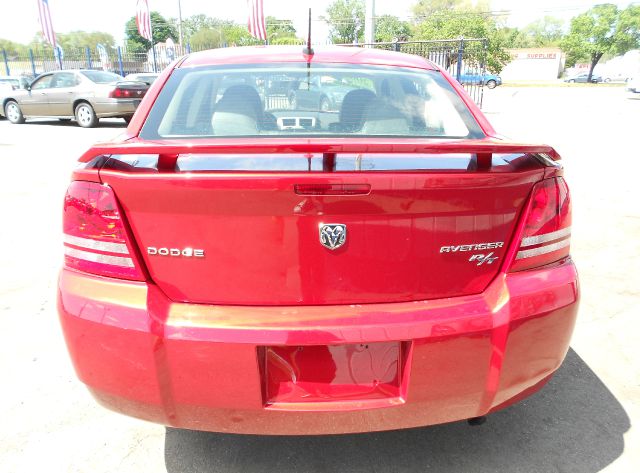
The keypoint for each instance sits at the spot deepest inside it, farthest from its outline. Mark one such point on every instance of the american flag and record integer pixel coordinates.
(45, 21)
(143, 19)
(256, 19)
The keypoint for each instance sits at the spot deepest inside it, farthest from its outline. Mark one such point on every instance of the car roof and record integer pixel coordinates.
(76, 70)
(275, 54)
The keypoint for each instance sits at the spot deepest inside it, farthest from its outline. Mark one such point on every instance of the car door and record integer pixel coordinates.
(466, 77)
(36, 101)
(61, 95)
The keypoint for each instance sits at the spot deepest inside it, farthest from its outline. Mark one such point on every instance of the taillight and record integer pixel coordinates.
(95, 238)
(119, 93)
(547, 227)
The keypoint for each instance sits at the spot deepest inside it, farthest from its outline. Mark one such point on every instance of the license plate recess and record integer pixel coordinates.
(333, 376)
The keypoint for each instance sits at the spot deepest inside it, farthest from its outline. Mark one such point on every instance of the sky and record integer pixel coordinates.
(110, 16)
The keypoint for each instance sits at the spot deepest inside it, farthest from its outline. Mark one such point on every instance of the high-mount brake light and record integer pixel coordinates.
(547, 228)
(95, 238)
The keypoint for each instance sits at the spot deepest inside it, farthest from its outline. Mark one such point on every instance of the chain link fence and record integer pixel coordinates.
(464, 59)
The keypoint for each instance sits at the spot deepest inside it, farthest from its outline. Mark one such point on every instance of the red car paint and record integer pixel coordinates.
(271, 333)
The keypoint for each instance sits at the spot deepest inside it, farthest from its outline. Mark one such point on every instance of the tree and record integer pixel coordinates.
(423, 9)
(38, 42)
(391, 28)
(191, 25)
(628, 30)
(162, 29)
(469, 24)
(207, 38)
(602, 29)
(84, 39)
(287, 40)
(543, 32)
(279, 29)
(513, 37)
(236, 35)
(12, 48)
(232, 34)
(346, 21)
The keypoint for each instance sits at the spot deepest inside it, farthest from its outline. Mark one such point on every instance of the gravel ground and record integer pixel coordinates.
(583, 421)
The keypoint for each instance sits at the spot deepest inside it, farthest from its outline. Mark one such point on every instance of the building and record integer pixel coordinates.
(534, 64)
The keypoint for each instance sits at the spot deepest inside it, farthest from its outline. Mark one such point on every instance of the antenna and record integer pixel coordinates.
(308, 50)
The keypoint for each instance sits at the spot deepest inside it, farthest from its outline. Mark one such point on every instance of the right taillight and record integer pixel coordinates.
(95, 237)
(547, 226)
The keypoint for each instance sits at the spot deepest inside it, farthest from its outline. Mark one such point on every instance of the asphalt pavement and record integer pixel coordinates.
(584, 421)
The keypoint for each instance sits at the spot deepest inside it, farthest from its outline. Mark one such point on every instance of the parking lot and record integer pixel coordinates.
(585, 420)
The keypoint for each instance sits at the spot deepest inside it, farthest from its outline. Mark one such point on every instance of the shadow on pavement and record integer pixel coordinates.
(573, 425)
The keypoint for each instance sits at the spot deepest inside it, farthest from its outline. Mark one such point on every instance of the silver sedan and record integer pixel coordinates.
(81, 95)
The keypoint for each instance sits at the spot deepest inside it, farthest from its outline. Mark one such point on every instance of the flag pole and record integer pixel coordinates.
(153, 46)
(180, 25)
(56, 51)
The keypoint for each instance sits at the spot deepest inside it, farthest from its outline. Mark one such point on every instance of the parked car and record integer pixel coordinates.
(10, 83)
(236, 268)
(583, 77)
(323, 92)
(633, 85)
(614, 77)
(281, 86)
(14, 82)
(83, 95)
(488, 79)
(146, 77)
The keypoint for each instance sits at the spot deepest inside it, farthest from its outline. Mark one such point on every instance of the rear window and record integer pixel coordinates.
(297, 100)
(149, 79)
(101, 77)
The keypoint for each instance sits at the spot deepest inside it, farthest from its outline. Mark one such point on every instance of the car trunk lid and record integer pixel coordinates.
(247, 228)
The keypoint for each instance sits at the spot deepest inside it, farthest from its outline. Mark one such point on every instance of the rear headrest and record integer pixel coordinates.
(353, 107)
(382, 118)
(237, 112)
(244, 93)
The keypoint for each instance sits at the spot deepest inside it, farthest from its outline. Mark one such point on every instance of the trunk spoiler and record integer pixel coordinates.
(168, 150)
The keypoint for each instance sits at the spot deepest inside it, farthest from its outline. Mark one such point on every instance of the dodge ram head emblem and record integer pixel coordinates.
(333, 235)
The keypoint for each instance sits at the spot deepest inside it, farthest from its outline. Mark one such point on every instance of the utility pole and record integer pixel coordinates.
(153, 49)
(180, 25)
(370, 22)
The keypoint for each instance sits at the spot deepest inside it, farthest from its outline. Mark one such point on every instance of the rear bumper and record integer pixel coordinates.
(203, 367)
(116, 107)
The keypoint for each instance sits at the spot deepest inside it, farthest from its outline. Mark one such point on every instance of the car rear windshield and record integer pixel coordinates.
(100, 77)
(146, 78)
(308, 100)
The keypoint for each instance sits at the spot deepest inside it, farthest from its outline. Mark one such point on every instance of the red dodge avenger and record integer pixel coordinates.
(296, 242)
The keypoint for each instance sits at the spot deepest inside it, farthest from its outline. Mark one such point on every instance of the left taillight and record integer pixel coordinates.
(95, 237)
